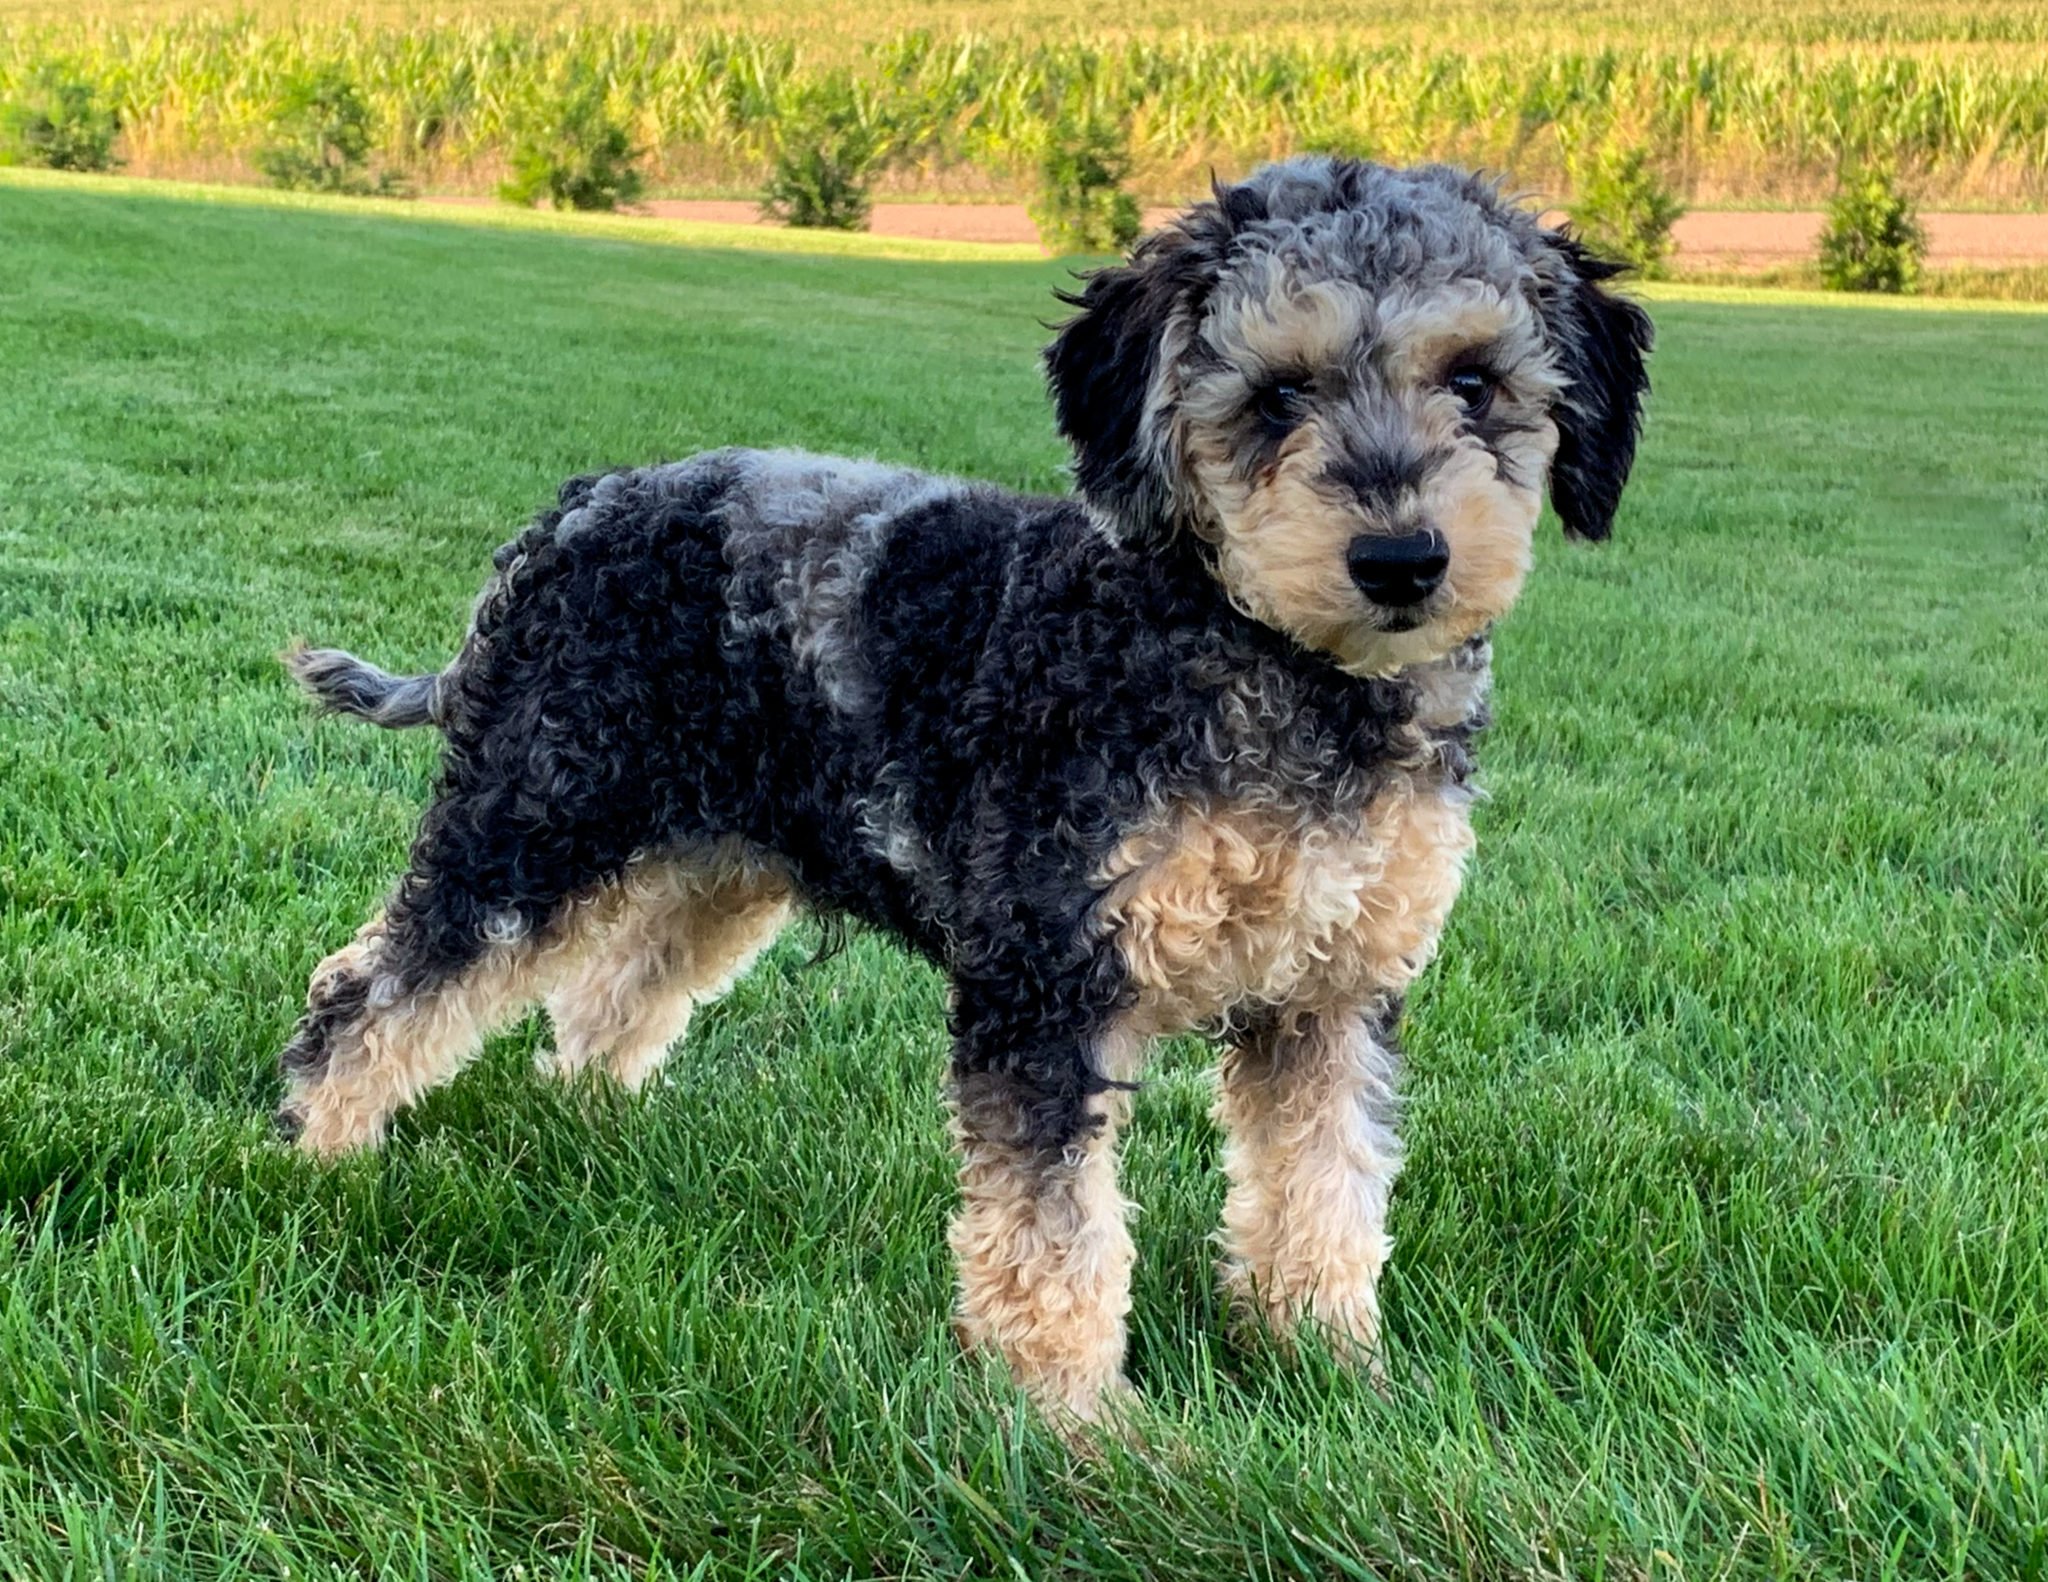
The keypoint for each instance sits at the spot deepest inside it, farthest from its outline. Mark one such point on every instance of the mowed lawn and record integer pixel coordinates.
(1723, 1247)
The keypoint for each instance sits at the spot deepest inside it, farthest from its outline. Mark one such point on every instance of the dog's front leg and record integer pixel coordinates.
(1040, 1237)
(1307, 1105)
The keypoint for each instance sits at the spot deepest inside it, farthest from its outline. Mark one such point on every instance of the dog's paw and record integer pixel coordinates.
(1344, 1320)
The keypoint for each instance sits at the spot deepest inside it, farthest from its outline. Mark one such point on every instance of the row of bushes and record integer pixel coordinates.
(826, 156)
(1872, 241)
(570, 153)
(574, 155)
(448, 100)
(319, 139)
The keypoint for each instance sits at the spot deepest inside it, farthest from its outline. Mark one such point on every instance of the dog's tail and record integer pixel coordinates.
(345, 684)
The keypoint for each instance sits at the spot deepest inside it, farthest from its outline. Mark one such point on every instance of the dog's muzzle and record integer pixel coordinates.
(1399, 572)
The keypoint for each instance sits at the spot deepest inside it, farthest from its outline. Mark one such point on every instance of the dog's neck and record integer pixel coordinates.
(1299, 730)
(1277, 723)
(1454, 692)
(1454, 703)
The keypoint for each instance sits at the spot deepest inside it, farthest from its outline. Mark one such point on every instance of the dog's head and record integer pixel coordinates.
(1349, 385)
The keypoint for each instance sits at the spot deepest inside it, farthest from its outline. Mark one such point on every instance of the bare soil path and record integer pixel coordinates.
(1705, 239)
(1734, 240)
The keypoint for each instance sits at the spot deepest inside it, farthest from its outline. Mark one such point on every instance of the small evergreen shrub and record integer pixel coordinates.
(56, 121)
(320, 137)
(1625, 212)
(826, 153)
(1873, 241)
(1081, 205)
(571, 154)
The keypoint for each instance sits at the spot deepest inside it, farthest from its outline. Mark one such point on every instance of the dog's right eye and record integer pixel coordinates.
(1474, 387)
(1280, 405)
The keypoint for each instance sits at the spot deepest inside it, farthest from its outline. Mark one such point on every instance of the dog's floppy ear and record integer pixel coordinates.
(1109, 392)
(1601, 342)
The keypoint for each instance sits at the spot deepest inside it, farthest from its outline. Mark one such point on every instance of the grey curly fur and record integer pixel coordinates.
(974, 718)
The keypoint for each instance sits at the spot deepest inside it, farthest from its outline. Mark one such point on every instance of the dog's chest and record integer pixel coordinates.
(1220, 907)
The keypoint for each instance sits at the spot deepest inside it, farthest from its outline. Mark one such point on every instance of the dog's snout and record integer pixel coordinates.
(1399, 571)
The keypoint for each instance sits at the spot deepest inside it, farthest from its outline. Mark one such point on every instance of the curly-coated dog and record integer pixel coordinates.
(1192, 751)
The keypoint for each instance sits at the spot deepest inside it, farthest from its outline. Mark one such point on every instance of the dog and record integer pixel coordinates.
(1191, 751)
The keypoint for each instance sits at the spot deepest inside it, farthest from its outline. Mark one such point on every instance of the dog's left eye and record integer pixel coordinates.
(1473, 387)
(1280, 405)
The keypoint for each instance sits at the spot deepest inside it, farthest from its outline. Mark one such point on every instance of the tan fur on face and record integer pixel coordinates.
(1311, 1155)
(1217, 908)
(1420, 335)
(1044, 1256)
(1488, 524)
(1281, 543)
(1289, 324)
(1283, 529)
(671, 936)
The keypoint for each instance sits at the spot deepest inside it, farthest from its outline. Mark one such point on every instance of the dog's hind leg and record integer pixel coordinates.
(378, 1033)
(674, 934)
(474, 933)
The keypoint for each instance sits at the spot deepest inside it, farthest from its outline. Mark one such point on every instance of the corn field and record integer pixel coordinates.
(1745, 121)
(834, 30)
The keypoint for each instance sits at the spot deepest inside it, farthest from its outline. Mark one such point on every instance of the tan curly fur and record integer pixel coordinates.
(401, 1047)
(1282, 525)
(620, 967)
(1219, 907)
(1311, 1154)
(1044, 1254)
(665, 938)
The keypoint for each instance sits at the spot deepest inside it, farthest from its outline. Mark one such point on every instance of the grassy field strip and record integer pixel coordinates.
(742, 238)
(1721, 1239)
(772, 239)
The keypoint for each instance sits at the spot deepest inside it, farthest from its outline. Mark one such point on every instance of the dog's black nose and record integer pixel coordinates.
(1399, 571)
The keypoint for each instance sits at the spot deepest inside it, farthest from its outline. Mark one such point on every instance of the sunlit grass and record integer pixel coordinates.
(1721, 1245)
(636, 228)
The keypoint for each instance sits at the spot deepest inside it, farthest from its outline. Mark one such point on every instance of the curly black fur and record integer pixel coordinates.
(626, 690)
(1603, 341)
(939, 707)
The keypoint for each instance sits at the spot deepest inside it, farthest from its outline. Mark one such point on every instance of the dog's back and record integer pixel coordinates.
(742, 646)
(799, 535)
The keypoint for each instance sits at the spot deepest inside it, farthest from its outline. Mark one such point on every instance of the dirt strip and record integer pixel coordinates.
(1706, 238)
(1743, 241)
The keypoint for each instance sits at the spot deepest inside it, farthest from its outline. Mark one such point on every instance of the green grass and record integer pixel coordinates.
(1722, 1244)
(2020, 283)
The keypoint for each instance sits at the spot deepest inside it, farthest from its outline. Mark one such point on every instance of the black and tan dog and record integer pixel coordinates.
(1190, 752)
